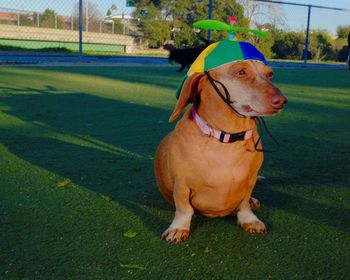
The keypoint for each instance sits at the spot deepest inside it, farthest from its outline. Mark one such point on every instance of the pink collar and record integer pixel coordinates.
(222, 136)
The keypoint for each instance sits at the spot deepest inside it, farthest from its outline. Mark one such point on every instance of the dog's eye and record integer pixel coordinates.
(270, 76)
(241, 73)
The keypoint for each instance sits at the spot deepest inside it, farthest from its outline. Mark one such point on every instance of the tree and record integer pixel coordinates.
(182, 15)
(176, 18)
(266, 16)
(49, 19)
(151, 20)
(343, 31)
(118, 26)
(265, 44)
(222, 11)
(25, 20)
(258, 12)
(185, 13)
(321, 45)
(341, 43)
(111, 10)
(91, 16)
(288, 45)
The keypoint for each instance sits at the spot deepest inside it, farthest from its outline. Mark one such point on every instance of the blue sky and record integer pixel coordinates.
(295, 16)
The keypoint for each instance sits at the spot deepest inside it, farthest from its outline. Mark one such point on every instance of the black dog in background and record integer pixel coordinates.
(185, 57)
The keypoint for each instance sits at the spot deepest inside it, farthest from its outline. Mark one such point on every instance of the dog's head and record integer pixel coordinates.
(248, 83)
(236, 72)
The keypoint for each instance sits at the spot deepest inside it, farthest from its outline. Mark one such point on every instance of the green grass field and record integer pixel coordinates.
(48, 46)
(78, 198)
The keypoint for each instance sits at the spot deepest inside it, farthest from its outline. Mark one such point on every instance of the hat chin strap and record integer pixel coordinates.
(225, 98)
(261, 123)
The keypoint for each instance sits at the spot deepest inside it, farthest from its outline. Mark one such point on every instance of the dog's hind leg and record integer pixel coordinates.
(254, 203)
(180, 227)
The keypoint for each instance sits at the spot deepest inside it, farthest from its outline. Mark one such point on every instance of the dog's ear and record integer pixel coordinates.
(187, 94)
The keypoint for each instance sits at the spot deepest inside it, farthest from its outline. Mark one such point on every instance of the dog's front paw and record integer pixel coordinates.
(256, 226)
(175, 235)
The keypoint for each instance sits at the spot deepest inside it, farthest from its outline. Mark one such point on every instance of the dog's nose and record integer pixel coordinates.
(278, 101)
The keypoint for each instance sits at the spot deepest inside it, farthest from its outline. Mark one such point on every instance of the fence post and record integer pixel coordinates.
(81, 30)
(306, 49)
(210, 12)
(18, 19)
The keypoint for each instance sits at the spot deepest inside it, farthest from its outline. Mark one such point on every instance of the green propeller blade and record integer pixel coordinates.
(218, 25)
(211, 24)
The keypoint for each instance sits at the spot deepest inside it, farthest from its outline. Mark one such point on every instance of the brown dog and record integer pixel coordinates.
(197, 172)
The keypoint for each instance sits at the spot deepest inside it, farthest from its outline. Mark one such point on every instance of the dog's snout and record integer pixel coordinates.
(278, 101)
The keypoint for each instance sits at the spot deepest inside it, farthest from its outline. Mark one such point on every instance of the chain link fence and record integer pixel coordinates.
(318, 32)
(116, 27)
(54, 26)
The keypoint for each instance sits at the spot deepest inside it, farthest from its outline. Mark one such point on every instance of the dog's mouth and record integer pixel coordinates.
(247, 109)
(277, 103)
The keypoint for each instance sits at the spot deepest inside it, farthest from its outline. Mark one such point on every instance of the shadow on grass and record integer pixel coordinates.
(107, 146)
(157, 76)
(169, 78)
(104, 145)
(320, 78)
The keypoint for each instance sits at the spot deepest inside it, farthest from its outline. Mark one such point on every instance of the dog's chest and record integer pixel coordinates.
(220, 183)
(213, 162)
(229, 164)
